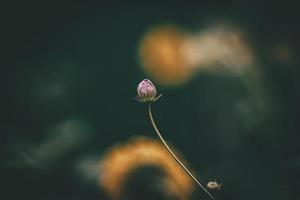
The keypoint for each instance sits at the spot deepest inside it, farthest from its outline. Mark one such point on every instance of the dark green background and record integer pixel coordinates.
(91, 48)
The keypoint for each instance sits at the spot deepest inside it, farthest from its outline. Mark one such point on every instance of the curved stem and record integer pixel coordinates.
(173, 155)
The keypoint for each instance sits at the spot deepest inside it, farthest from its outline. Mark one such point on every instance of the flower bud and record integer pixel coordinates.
(213, 185)
(146, 91)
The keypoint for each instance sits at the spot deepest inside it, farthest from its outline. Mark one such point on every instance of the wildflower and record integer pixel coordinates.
(121, 161)
(162, 57)
(147, 92)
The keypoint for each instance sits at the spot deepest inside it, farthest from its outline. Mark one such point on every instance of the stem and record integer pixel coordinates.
(173, 155)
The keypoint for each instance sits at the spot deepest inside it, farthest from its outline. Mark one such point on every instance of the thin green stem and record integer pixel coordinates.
(173, 155)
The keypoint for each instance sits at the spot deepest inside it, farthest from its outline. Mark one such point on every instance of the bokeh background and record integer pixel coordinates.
(229, 74)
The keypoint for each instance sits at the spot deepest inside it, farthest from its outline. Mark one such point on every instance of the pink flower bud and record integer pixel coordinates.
(146, 91)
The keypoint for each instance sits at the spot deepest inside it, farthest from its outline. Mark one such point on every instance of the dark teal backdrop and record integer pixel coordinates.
(78, 61)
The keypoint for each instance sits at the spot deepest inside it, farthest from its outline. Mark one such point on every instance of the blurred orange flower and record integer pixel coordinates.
(172, 56)
(161, 56)
(121, 160)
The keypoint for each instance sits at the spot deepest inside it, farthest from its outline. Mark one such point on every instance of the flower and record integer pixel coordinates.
(146, 92)
(120, 162)
(161, 55)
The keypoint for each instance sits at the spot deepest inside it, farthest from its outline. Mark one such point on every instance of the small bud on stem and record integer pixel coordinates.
(147, 94)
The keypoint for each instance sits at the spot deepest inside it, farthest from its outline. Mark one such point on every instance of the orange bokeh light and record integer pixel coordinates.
(122, 159)
(161, 56)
